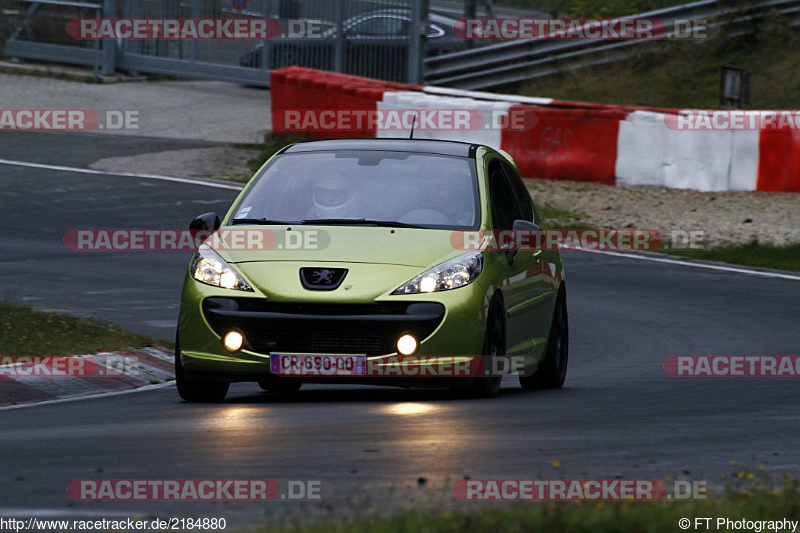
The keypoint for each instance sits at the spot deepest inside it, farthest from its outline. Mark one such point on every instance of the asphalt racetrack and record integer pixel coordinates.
(619, 414)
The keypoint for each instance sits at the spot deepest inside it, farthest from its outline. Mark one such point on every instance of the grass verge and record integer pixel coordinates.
(683, 74)
(752, 254)
(579, 517)
(24, 331)
(588, 8)
(555, 218)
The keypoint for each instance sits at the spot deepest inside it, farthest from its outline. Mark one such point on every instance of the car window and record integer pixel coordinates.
(504, 206)
(427, 190)
(387, 26)
(520, 192)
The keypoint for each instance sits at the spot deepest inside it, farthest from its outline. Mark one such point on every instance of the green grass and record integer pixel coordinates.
(579, 517)
(752, 254)
(556, 218)
(682, 74)
(24, 331)
(589, 8)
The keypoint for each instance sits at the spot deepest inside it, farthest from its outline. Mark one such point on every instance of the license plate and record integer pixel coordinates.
(285, 364)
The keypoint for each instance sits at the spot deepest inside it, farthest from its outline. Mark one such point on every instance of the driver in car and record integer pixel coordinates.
(332, 196)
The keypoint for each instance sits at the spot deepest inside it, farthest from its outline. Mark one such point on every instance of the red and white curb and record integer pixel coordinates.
(116, 372)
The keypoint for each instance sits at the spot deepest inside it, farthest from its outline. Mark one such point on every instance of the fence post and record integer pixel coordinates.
(109, 45)
(2, 26)
(266, 46)
(418, 40)
(338, 53)
(194, 44)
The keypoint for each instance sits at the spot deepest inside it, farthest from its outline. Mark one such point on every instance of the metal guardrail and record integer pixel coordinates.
(513, 62)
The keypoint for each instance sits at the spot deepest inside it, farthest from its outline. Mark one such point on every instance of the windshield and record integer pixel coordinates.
(425, 190)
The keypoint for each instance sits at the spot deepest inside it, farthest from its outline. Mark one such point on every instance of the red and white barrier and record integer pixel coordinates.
(779, 163)
(558, 139)
(578, 144)
(650, 153)
(482, 129)
(297, 89)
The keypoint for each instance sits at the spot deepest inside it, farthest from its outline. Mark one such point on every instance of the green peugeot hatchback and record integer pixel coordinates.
(373, 261)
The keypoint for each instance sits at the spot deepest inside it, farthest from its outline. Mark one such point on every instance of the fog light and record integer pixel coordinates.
(407, 344)
(233, 341)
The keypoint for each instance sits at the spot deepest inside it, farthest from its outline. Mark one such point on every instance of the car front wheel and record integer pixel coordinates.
(197, 391)
(494, 345)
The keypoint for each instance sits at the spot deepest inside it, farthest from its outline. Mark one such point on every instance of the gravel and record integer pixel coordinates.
(217, 162)
(725, 218)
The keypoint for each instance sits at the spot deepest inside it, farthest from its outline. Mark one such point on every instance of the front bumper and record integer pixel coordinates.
(447, 324)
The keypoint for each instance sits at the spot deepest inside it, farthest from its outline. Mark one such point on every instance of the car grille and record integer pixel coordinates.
(370, 329)
(358, 342)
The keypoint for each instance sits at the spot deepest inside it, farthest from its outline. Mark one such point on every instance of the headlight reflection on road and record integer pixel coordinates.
(235, 418)
(411, 408)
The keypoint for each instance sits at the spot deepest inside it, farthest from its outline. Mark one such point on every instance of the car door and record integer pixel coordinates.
(538, 290)
(516, 264)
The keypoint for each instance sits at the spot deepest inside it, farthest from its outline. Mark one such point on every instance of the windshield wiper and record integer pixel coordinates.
(359, 222)
(260, 221)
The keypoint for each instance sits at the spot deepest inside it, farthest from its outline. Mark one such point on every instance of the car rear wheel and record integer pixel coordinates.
(494, 345)
(280, 387)
(553, 371)
(197, 391)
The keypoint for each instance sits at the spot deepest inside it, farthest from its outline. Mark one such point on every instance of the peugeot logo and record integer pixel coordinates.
(322, 279)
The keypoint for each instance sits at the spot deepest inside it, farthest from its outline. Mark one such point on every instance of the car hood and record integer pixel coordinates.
(344, 244)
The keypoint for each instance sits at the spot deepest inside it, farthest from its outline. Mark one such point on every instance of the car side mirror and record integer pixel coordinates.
(520, 226)
(525, 225)
(206, 222)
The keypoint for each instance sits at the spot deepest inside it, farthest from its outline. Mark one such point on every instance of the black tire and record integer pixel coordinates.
(494, 344)
(197, 391)
(281, 387)
(553, 371)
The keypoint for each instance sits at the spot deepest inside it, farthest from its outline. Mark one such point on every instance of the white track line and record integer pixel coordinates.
(89, 396)
(689, 263)
(190, 181)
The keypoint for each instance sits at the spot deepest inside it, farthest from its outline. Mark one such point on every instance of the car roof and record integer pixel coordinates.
(451, 148)
(405, 12)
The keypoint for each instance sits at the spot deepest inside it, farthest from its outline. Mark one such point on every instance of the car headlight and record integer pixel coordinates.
(209, 268)
(451, 274)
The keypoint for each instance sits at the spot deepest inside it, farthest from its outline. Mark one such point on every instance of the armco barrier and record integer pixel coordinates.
(577, 144)
(623, 145)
